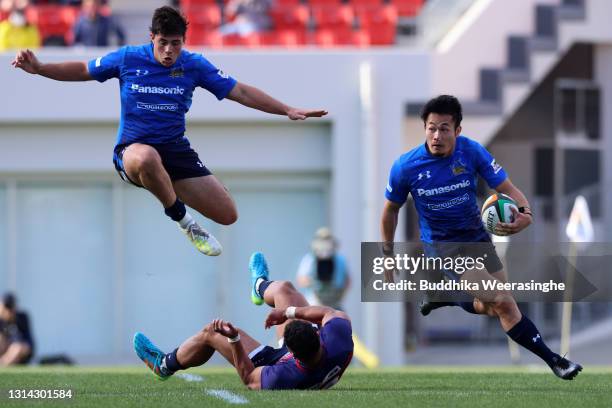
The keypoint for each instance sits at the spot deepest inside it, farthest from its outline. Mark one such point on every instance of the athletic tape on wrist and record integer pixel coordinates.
(290, 312)
(234, 339)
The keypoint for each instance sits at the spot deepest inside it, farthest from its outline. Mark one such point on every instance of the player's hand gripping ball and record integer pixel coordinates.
(498, 208)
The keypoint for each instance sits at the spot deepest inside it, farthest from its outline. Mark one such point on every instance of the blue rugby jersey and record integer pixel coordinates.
(288, 373)
(155, 98)
(444, 189)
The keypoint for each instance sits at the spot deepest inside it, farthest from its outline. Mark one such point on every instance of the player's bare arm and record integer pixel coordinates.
(521, 219)
(257, 99)
(63, 71)
(249, 375)
(314, 314)
(388, 224)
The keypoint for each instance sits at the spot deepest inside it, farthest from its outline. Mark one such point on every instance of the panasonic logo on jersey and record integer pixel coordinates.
(177, 90)
(444, 189)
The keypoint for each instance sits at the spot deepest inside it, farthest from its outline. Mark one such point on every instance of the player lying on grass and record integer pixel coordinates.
(310, 358)
(441, 176)
(156, 83)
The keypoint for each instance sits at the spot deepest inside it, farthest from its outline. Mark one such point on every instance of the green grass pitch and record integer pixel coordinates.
(498, 387)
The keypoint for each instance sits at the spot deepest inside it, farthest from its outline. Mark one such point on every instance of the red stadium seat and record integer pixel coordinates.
(324, 38)
(380, 24)
(197, 3)
(333, 16)
(204, 37)
(212, 39)
(234, 40)
(283, 38)
(289, 37)
(361, 38)
(366, 3)
(341, 37)
(407, 8)
(290, 17)
(203, 17)
(324, 2)
(53, 20)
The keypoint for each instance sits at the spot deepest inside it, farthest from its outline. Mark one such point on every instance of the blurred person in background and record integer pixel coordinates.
(15, 31)
(323, 273)
(95, 26)
(246, 17)
(16, 344)
(157, 81)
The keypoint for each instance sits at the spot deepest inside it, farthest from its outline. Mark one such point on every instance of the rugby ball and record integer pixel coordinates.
(497, 208)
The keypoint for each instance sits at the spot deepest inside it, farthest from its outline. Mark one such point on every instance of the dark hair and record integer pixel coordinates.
(168, 21)
(443, 105)
(9, 301)
(302, 339)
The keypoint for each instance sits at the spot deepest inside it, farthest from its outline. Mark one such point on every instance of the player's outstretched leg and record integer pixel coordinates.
(517, 326)
(279, 294)
(522, 330)
(193, 352)
(150, 355)
(144, 167)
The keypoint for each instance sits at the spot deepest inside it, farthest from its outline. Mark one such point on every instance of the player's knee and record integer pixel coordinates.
(286, 287)
(229, 217)
(23, 350)
(145, 160)
(503, 304)
(207, 331)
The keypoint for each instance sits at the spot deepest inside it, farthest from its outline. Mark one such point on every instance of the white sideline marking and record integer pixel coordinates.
(190, 377)
(228, 396)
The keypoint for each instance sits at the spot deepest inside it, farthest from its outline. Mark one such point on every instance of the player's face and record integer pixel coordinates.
(167, 48)
(441, 134)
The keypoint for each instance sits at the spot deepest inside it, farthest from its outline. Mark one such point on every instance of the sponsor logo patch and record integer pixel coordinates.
(177, 73)
(451, 203)
(176, 90)
(443, 189)
(496, 166)
(171, 107)
(458, 167)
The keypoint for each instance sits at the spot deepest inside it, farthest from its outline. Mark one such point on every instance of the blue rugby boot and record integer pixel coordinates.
(150, 355)
(259, 269)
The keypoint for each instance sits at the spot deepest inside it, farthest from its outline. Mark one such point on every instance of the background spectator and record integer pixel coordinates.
(16, 343)
(246, 17)
(323, 272)
(15, 31)
(95, 25)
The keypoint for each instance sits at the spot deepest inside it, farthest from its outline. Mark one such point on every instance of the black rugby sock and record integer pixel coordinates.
(526, 334)
(263, 286)
(170, 363)
(176, 211)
